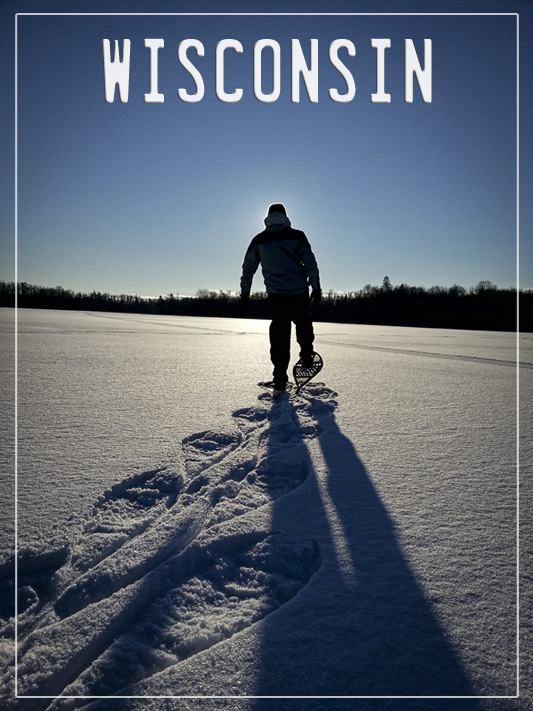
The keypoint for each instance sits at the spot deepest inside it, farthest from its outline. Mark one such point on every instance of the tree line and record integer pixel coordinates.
(483, 307)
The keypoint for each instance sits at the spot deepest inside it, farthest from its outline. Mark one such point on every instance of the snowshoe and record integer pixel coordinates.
(305, 370)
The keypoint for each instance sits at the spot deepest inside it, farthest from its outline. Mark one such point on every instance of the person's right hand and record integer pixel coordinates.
(316, 297)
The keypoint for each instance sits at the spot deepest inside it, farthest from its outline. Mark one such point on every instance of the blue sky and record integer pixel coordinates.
(158, 198)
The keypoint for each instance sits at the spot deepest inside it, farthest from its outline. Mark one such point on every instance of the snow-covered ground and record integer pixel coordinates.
(182, 534)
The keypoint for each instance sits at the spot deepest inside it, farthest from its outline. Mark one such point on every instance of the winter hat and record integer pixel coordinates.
(277, 207)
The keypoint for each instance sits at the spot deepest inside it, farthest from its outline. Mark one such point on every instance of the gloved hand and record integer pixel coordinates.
(316, 297)
(245, 303)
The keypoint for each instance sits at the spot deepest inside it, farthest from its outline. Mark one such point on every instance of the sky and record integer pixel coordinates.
(159, 198)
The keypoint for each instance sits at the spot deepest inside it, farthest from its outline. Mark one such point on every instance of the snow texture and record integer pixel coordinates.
(163, 568)
(268, 557)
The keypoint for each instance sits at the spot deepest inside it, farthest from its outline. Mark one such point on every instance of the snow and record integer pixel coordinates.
(182, 534)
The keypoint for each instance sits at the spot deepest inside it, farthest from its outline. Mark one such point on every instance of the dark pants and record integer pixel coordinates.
(284, 310)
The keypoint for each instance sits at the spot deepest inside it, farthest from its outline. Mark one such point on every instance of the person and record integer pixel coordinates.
(289, 268)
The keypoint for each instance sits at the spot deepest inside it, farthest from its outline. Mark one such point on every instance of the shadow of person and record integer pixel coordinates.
(363, 625)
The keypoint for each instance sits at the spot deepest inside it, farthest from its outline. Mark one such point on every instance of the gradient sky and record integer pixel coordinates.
(158, 198)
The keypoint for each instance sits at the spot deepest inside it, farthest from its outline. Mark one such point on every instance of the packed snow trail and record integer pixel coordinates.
(171, 561)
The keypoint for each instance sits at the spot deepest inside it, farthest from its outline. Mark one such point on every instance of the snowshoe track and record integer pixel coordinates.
(169, 564)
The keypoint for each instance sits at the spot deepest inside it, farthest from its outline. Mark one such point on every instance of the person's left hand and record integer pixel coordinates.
(245, 303)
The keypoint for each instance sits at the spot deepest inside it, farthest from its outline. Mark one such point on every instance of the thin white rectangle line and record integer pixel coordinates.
(16, 356)
(517, 355)
(242, 698)
(273, 14)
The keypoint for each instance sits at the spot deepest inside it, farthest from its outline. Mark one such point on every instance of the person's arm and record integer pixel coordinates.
(249, 268)
(310, 265)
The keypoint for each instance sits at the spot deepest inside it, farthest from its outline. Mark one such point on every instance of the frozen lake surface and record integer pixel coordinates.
(181, 534)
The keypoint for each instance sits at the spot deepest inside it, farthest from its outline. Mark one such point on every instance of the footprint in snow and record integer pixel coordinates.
(216, 591)
(163, 569)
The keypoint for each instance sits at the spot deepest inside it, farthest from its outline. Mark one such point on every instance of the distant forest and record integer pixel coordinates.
(483, 307)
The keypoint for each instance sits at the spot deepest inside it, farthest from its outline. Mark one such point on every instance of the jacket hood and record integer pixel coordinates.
(277, 221)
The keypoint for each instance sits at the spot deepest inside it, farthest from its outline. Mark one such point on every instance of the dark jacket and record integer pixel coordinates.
(287, 262)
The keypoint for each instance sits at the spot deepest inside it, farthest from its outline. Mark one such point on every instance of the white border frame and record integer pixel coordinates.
(293, 14)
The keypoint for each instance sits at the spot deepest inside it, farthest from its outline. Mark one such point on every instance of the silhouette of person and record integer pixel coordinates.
(289, 268)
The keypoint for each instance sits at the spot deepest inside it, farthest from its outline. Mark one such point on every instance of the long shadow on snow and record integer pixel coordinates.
(390, 643)
(171, 591)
